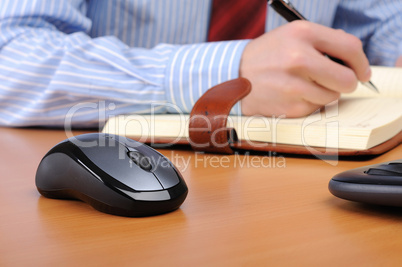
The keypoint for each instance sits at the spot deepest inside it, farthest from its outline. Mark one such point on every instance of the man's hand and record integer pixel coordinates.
(291, 76)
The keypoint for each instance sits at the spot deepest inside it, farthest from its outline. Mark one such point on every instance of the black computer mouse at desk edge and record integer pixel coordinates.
(379, 184)
(113, 174)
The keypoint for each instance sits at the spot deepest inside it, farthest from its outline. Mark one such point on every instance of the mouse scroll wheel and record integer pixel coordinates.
(142, 161)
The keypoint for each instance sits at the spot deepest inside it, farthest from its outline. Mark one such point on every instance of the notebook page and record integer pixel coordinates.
(388, 80)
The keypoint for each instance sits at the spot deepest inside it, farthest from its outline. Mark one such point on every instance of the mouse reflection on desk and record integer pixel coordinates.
(113, 174)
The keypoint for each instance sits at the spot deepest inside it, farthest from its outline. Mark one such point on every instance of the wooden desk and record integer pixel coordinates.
(243, 212)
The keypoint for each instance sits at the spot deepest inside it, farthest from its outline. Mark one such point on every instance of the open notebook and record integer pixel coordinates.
(358, 121)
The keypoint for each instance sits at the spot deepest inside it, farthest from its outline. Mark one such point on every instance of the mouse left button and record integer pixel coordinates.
(113, 159)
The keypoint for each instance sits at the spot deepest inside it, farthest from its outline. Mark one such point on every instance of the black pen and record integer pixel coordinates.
(288, 12)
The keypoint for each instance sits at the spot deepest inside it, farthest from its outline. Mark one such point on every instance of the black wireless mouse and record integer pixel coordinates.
(113, 174)
(379, 184)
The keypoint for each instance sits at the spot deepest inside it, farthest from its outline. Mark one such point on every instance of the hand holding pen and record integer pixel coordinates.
(289, 12)
(291, 77)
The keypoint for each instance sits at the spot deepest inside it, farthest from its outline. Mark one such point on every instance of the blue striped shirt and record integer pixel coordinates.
(84, 61)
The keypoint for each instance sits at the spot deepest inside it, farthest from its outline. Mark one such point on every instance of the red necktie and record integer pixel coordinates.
(237, 19)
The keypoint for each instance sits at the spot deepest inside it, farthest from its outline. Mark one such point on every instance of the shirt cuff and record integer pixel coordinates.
(193, 69)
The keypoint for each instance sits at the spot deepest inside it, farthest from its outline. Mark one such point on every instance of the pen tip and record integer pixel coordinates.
(370, 85)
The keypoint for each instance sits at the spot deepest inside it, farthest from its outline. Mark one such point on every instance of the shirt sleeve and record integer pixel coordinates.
(52, 73)
(377, 23)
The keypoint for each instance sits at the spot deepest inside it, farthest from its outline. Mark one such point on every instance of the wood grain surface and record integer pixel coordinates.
(241, 210)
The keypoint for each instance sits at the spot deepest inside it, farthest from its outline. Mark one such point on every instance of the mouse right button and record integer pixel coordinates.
(166, 174)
